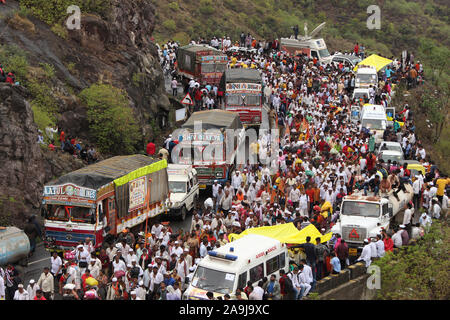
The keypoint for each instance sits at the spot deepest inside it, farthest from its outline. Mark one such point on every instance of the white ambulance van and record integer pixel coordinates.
(223, 270)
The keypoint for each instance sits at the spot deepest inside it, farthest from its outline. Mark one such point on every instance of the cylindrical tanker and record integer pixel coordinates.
(14, 245)
(404, 198)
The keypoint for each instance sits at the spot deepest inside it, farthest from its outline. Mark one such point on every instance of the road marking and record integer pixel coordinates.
(38, 261)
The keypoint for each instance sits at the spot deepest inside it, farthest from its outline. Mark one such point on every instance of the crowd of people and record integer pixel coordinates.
(67, 144)
(323, 157)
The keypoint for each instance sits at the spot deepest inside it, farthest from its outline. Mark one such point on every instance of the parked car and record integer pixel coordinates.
(390, 145)
(392, 155)
(349, 58)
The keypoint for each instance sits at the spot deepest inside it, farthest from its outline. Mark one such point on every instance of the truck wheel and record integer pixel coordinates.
(24, 262)
(183, 213)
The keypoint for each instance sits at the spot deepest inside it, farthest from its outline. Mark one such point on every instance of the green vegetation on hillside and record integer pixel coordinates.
(404, 24)
(420, 271)
(111, 120)
(53, 11)
(37, 80)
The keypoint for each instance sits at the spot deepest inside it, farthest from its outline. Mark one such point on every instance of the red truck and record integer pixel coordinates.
(202, 63)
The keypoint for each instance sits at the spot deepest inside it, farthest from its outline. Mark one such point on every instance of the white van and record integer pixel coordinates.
(223, 270)
(366, 76)
(184, 189)
(360, 93)
(373, 118)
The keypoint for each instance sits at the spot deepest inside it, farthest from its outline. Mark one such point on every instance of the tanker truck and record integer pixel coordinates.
(363, 217)
(14, 246)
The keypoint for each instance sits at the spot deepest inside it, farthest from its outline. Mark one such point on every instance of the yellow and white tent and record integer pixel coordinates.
(286, 233)
(374, 61)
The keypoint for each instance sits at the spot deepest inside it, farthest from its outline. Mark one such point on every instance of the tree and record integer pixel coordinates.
(418, 271)
(111, 120)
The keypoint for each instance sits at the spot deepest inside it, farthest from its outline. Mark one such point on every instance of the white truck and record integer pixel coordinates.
(373, 118)
(312, 47)
(184, 189)
(366, 76)
(363, 217)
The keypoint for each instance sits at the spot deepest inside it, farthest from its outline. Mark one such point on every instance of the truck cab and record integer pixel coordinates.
(360, 93)
(366, 76)
(363, 216)
(308, 44)
(184, 189)
(373, 118)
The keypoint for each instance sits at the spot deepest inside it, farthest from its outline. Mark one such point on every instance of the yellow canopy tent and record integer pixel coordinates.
(286, 233)
(374, 61)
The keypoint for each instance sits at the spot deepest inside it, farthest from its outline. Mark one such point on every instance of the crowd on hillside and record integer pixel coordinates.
(323, 156)
(67, 144)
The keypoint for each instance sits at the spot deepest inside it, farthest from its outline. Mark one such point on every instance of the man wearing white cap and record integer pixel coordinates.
(83, 257)
(155, 279)
(118, 265)
(156, 229)
(177, 249)
(94, 269)
(366, 253)
(373, 248)
(215, 189)
(236, 181)
(31, 289)
(20, 293)
(425, 221)
(133, 295)
(141, 292)
(131, 256)
(136, 270)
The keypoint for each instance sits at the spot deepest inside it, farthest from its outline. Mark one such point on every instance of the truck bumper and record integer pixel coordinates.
(174, 212)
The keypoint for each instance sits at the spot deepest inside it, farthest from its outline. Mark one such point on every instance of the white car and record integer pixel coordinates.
(352, 60)
(390, 145)
(391, 155)
(184, 190)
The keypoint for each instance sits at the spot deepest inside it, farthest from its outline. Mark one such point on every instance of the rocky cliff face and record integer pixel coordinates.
(25, 167)
(115, 50)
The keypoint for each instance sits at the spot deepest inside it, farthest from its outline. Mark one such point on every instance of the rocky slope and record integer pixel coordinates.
(115, 50)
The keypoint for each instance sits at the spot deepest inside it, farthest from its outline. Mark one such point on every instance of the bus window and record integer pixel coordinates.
(257, 273)
(242, 281)
(272, 265)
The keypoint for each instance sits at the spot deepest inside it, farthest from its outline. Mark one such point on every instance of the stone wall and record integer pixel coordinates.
(350, 284)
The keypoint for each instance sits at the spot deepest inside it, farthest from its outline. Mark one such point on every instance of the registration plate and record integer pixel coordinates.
(202, 186)
(352, 251)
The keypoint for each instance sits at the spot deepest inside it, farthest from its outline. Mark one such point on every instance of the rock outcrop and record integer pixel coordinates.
(25, 167)
(115, 50)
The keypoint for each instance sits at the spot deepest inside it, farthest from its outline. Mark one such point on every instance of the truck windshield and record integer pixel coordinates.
(324, 53)
(360, 95)
(177, 186)
(360, 209)
(375, 124)
(208, 67)
(243, 99)
(75, 214)
(213, 280)
(367, 78)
